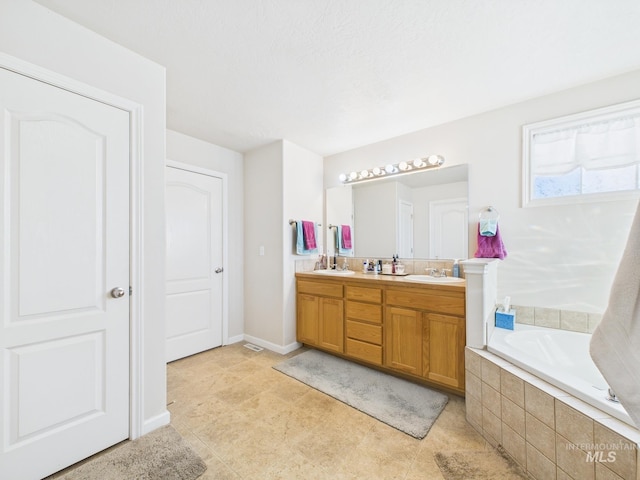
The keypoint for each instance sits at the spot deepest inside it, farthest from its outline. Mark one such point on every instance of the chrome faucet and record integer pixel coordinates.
(434, 272)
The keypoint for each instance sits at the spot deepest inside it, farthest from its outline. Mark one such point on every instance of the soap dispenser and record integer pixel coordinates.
(456, 269)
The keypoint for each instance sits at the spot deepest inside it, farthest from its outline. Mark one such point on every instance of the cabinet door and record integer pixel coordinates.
(443, 349)
(331, 324)
(308, 319)
(403, 340)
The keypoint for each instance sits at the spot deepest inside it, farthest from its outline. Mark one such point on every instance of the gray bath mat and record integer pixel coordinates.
(409, 407)
(161, 454)
(478, 465)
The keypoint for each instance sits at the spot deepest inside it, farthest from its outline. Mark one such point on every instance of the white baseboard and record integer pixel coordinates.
(156, 422)
(282, 350)
(235, 339)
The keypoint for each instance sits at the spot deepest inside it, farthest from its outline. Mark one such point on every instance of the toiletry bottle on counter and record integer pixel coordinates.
(456, 268)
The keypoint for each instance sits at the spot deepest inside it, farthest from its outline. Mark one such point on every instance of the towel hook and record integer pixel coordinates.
(489, 213)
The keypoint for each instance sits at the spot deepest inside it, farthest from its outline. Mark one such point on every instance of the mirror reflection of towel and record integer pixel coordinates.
(346, 237)
(490, 247)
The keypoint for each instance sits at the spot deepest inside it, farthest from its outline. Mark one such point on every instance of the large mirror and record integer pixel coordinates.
(419, 215)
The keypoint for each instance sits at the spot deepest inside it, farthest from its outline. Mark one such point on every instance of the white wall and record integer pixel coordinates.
(185, 149)
(263, 288)
(282, 182)
(32, 33)
(302, 199)
(559, 257)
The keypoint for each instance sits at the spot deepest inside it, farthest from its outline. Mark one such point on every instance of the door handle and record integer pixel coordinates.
(117, 292)
(219, 270)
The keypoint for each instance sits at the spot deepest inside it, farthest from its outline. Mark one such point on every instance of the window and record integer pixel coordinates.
(583, 157)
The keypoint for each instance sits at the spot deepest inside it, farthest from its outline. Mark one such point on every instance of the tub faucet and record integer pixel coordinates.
(612, 396)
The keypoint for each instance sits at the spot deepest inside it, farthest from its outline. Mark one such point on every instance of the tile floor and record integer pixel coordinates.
(249, 421)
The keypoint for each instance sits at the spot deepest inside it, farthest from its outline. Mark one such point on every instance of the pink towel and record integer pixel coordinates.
(346, 236)
(490, 247)
(309, 235)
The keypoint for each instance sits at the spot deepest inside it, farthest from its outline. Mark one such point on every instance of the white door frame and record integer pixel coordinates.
(225, 234)
(136, 348)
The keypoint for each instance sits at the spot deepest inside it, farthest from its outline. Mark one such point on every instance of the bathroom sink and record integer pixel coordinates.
(334, 272)
(431, 279)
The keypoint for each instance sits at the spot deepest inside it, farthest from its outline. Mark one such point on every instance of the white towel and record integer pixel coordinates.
(615, 344)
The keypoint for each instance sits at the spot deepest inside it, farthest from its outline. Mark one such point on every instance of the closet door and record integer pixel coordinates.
(64, 277)
(194, 262)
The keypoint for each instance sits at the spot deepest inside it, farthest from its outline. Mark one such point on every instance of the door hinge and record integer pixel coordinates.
(130, 290)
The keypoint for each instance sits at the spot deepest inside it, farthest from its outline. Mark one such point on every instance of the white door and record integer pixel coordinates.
(194, 262)
(64, 237)
(405, 230)
(448, 228)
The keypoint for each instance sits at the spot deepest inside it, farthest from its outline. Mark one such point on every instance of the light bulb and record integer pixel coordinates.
(403, 166)
(377, 171)
(390, 168)
(353, 176)
(364, 173)
(435, 160)
(342, 177)
(418, 163)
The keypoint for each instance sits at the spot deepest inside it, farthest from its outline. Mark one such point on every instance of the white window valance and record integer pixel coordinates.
(577, 157)
(592, 146)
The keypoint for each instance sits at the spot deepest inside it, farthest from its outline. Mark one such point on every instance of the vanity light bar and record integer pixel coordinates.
(432, 161)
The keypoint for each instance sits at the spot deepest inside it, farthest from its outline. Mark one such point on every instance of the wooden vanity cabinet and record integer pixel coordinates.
(403, 345)
(363, 333)
(418, 331)
(426, 332)
(443, 339)
(320, 315)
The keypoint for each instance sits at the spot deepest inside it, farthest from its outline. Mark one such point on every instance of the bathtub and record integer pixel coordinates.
(559, 357)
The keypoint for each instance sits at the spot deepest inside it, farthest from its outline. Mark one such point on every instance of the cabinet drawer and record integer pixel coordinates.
(364, 351)
(430, 300)
(320, 288)
(364, 311)
(365, 332)
(364, 294)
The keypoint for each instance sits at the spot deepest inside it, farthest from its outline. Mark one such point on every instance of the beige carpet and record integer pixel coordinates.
(160, 455)
(404, 405)
(478, 465)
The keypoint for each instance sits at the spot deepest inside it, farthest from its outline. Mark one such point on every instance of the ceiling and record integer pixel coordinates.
(333, 75)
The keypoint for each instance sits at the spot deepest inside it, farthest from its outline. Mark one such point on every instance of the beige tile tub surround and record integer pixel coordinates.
(551, 434)
(556, 318)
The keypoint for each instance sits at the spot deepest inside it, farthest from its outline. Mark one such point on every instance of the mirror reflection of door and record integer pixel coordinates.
(448, 220)
(405, 230)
